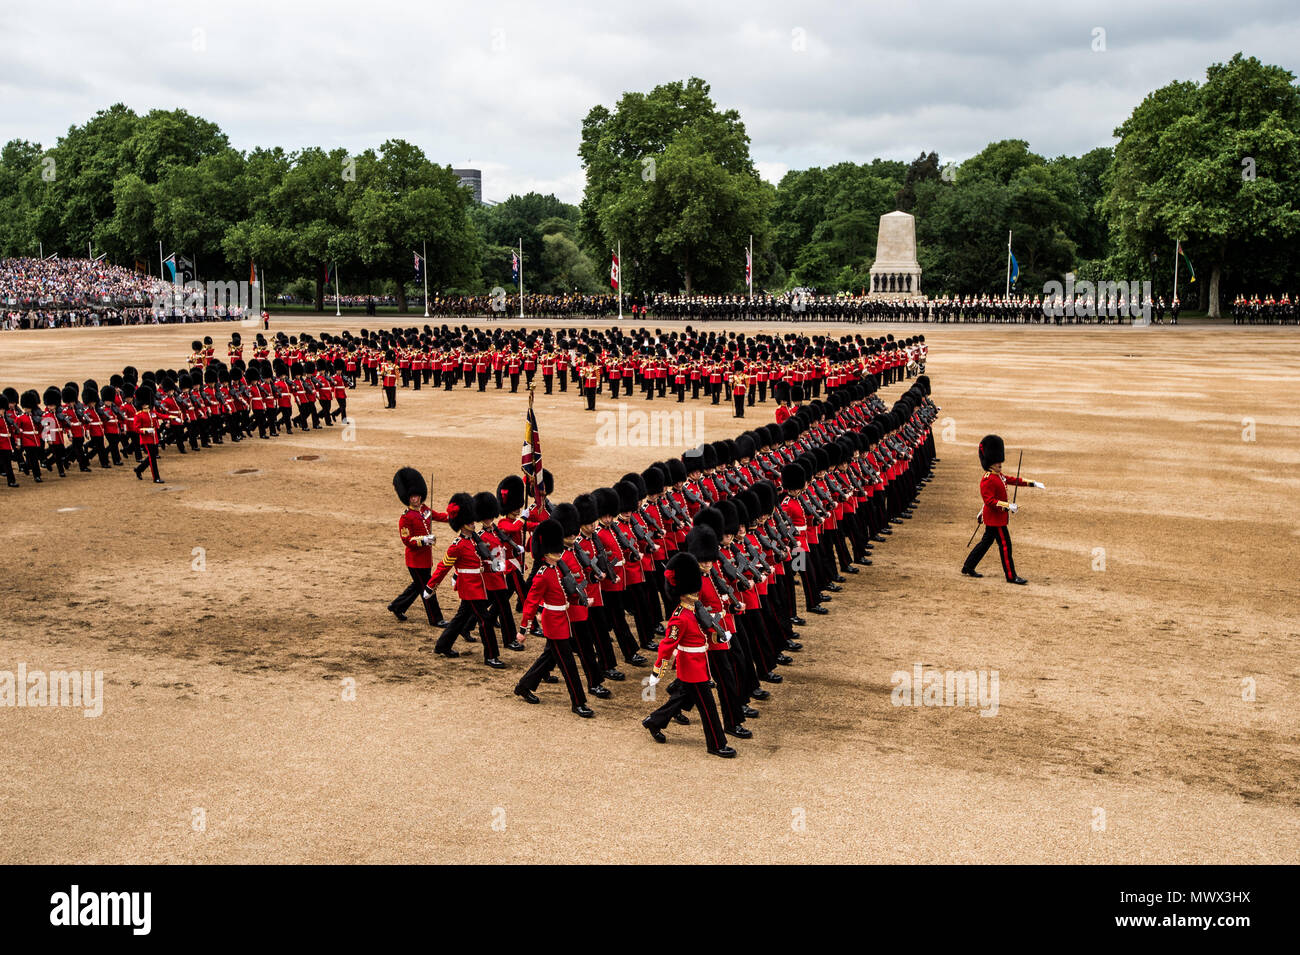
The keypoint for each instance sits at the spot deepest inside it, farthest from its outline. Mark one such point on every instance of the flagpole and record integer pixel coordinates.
(1178, 246)
(521, 276)
(1007, 294)
(337, 311)
(750, 263)
(620, 279)
(162, 266)
(424, 267)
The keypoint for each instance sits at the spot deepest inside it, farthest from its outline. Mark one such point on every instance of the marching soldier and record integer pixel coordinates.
(996, 510)
(687, 647)
(415, 529)
(548, 601)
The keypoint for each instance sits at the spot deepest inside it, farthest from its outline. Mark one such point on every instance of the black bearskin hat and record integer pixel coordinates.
(486, 507)
(588, 512)
(143, 396)
(606, 499)
(52, 395)
(992, 451)
(408, 482)
(676, 470)
(628, 498)
(567, 516)
(702, 543)
(710, 517)
(793, 477)
(682, 576)
(460, 511)
(693, 460)
(510, 493)
(30, 400)
(730, 517)
(548, 538)
(653, 478)
(69, 393)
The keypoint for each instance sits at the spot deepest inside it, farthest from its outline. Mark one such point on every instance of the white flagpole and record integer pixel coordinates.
(162, 266)
(1007, 295)
(521, 276)
(424, 267)
(337, 311)
(750, 268)
(620, 279)
(90, 251)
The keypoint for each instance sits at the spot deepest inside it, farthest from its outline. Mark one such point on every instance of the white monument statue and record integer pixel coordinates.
(896, 274)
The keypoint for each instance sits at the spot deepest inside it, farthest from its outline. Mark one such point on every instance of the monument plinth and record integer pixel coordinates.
(896, 274)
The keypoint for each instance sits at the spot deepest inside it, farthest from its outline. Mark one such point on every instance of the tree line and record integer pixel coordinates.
(1215, 164)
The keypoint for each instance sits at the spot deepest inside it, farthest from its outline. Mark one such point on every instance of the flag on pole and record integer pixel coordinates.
(329, 272)
(252, 272)
(530, 458)
(1187, 262)
(1015, 268)
(749, 268)
(170, 263)
(514, 266)
(614, 271)
(141, 267)
(99, 258)
(419, 266)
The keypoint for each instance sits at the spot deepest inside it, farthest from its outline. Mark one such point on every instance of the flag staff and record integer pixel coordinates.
(337, 311)
(521, 276)
(424, 267)
(1008, 291)
(620, 279)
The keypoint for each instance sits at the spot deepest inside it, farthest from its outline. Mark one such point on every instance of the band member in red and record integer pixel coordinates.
(548, 601)
(996, 512)
(687, 647)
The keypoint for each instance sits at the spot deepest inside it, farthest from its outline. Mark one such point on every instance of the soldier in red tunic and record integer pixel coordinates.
(415, 529)
(687, 646)
(147, 426)
(548, 600)
(996, 511)
(463, 556)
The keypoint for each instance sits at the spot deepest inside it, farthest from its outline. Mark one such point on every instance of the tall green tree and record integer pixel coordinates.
(1216, 165)
(670, 177)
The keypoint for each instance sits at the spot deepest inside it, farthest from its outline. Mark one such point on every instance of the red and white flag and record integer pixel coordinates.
(749, 269)
(614, 271)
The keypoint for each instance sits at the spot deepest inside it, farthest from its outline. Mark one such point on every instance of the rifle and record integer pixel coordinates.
(594, 573)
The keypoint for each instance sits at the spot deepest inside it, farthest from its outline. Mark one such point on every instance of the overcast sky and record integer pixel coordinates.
(504, 86)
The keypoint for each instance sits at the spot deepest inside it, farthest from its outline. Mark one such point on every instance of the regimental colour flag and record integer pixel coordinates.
(614, 273)
(530, 458)
(1188, 262)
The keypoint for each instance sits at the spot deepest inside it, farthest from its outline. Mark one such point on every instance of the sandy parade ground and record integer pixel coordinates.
(1147, 676)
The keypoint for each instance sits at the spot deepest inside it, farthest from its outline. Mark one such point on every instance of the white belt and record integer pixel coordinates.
(562, 608)
(469, 570)
(801, 527)
(692, 649)
(618, 564)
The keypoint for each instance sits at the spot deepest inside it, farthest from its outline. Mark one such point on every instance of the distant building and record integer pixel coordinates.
(474, 179)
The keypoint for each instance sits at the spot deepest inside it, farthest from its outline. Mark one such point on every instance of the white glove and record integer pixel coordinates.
(1038, 484)
(726, 636)
(651, 680)
(1012, 507)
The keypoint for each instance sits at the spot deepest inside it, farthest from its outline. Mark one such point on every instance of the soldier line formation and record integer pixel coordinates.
(303, 380)
(694, 559)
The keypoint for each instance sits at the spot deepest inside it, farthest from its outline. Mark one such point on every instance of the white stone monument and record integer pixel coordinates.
(896, 274)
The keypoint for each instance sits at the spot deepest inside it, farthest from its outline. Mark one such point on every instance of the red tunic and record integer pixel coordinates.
(682, 634)
(993, 489)
(546, 598)
(463, 556)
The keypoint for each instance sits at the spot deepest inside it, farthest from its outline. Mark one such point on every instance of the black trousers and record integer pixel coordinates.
(468, 613)
(701, 697)
(419, 580)
(616, 614)
(390, 392)
(557, 652)
(1002, 538)
(500, 614)
(740, 405)
(151, 460)
(6, 464)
